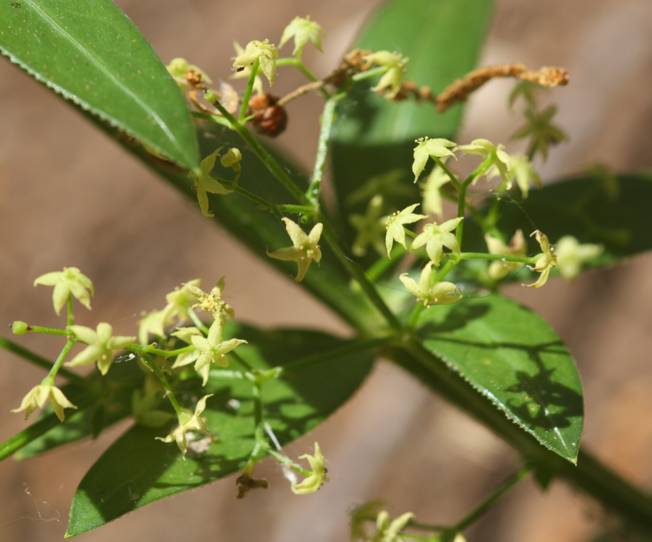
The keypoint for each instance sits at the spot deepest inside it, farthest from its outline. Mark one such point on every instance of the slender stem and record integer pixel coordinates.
(369, 74)
(70, 312)
(197, 321)
(498, 257)
(486, 505)
(35, 359)
(140, 349)
(45, 330)
(314, 188)
(454, 179)
(169, 392)
(49, 379)
(248, 91)
(378, 268)
(307, 72)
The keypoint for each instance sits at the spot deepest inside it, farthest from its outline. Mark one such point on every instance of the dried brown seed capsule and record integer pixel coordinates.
(269, 118)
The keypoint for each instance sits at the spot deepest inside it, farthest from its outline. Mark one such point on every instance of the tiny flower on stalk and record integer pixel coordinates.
(189, 423)
(39, 395)
(181, 300)
(517, 247)
(262, 51)
(183, 73)
(437, 236)
(544, 262)
(244, 73)
(304, 250)
(213, 303)
(388, 530)
(395, 225)
(541, 131)
(232, 159)
(571, 255)
(429, 293)
(431, 191)
(18, 327)
(369, 227)
(428, 147)
(522, 171)
(496, 159)
(101, 348)
(304, 31)
(390, 83)
(69, 281)
(210, 350)
(205, 184)
(151, 323)
(316, 477)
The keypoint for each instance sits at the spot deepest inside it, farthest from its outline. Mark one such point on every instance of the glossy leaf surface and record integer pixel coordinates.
(137, 469)
(515, 359)
(96, 58)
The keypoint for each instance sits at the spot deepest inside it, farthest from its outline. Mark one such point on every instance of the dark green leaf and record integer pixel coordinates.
(137, 469)
(511, 356)
(612, 211)
(373, 136)
(108, 399)
(94, 57)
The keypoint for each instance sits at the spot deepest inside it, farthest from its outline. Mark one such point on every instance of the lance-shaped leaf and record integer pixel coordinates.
(94, 57)
(137, 469)
(374, 137)
(516, 360)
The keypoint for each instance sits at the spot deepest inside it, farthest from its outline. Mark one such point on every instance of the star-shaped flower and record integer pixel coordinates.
(303, 30)
(189, 422)
(101, 346)
(428, 147)
(437, 236)
(181, 300)
(522, 171)
(210, 350)
(428, 292)
(517, 247)
(395, 226)
(388, 530)
(205, 184)
(69, 281)
(540, 129)
(545, 261)
(245, 72)
(152, 323)
(571, 255)
(213, 303)
(39, 395)
(262, 51)
(369, 227)
(316, 476)
(390, 82)
(496, 159)
(431, 191)
(304, 250)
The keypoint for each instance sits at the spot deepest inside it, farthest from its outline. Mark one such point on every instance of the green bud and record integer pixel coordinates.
(19, 327)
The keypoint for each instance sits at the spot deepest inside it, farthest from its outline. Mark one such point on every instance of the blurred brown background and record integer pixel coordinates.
(68, 196)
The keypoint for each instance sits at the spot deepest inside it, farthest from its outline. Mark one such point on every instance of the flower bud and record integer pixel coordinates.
(19, 327)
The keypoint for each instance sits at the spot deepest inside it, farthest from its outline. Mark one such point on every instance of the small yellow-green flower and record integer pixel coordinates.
(101, 348)
(437, 236)
(496, 159)
(522, 171)
(232, 159)
(389, 530)
(244, 73)
(262, 51)
(41, 394)
(317, 475)
(395, 225)
(303, 30)
(571, 255)
(181, 300)
(69, 281)
(390, 82)
(152, 323)
(304, 250)
(540, 129)
(189, 422)
(428, 147)
(428, 292)
(213, 303)
(369, 227)
(205, 184)
(545, 261)
(431, 191)
(178, 68)
(517, 247)
(210, 350)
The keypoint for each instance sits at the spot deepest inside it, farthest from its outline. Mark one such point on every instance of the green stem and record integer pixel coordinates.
(248, 91)
(197, 321)
(497, 257)
(369, 74)
(35, 359)
(488, 503)
(383, 264)
(70, 312)
(454, 179)
(327, 117)
(169, 392)
(45, 330)
(140, 349)
(49, 379)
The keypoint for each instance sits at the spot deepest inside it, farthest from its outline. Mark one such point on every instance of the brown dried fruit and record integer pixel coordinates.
(269, 118)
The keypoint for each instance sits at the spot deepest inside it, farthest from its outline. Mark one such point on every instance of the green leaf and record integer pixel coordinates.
(612, 211)
(108, 400)
(137, 469)
(98, 60)
(515, 359)
(373, 136)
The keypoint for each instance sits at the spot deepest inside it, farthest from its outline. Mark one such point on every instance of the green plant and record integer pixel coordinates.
(191, 363)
